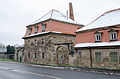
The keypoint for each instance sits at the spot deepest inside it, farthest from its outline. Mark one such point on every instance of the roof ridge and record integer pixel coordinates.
(51, 13)
(42, 16)
(56, 15)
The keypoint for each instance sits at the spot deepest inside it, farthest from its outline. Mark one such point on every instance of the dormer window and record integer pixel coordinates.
(98, 36)
(113, 34)
(29, 30)
(43, 27)
(36, 29)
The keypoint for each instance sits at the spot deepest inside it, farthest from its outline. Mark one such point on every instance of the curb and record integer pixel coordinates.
(84, 69)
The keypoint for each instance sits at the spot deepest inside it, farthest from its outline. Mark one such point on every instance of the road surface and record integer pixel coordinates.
(25, 71)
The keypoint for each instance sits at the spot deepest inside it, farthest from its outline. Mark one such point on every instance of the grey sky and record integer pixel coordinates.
(16, 14)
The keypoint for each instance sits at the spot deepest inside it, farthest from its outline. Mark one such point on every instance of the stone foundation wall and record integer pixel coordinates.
(82, 58)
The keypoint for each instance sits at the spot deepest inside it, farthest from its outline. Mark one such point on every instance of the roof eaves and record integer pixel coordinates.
(105, 27)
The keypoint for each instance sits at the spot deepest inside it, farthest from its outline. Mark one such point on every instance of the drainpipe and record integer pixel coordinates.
(90, 56)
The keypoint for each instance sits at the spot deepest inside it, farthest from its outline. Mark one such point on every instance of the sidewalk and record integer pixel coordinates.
(85, 69)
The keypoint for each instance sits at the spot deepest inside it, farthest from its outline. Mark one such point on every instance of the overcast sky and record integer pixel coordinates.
(15, 15)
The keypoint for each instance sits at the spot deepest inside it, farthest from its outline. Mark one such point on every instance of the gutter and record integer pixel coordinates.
(91, 64)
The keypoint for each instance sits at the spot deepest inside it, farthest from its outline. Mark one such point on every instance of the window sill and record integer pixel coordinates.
(36, 32)
(43, 30)
(98, 41)
(114, 40)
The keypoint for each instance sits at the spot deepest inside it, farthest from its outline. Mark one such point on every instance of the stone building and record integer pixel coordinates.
(50, 39)
(98, 43)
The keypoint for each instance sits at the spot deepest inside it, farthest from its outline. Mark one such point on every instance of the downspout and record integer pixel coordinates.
(90, 57)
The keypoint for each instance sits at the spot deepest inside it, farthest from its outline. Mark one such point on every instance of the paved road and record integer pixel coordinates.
(24, 71)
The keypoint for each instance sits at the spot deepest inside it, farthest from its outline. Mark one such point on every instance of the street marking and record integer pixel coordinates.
(26, 72)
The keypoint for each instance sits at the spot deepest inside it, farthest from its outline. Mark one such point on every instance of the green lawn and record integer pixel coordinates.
(6, 60)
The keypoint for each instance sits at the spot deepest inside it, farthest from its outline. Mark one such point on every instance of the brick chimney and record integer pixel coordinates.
(71, 14)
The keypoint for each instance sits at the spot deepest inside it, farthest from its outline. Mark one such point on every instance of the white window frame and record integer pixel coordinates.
(97, 37)
(112, 35)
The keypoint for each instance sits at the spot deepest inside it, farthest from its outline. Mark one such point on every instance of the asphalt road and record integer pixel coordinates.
(25, 71)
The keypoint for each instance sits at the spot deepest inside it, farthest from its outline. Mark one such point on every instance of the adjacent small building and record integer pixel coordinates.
(19, 53)
(50, 39)
(98, 43)
(2, 52)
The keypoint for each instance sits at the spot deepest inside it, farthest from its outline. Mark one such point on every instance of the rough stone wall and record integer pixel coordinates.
(48, 48)
(83, 59)
(80, 58)
(18, 56)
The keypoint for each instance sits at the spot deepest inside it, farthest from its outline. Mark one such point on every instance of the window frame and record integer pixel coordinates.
(28, 55)
(43, 40)
(29, 31)
(112, 60)
(29, 43)
(98, 37)
(98, 57)
(36, 29)
(35, 55)
(113, 36)
(43, 27)
(43, 55)
(35, 42)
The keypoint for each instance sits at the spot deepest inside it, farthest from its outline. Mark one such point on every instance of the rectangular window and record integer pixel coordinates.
(43, 40)
(113, 35)
(28, 55)
(43, 55)
(60, 56)
(36, 29)
(35, 55)
(113, 57)
(29, 43)
(43, 27)
(97, 37)
(35, 42)
(29, 30)
(98, 56)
